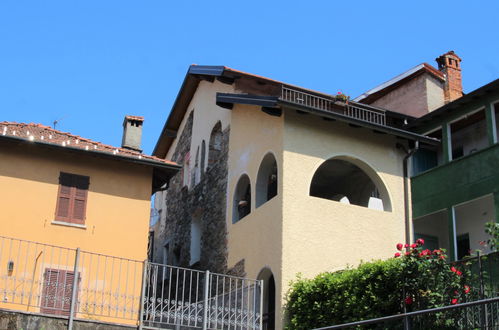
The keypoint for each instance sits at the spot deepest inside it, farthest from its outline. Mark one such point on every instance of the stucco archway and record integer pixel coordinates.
(269, 298)
(344, 176)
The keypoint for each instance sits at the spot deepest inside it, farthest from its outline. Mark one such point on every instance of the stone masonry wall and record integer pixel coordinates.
(205, 201)
(11, 320)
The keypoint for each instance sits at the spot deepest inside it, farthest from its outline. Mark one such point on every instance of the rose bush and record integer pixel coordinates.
(414, 279)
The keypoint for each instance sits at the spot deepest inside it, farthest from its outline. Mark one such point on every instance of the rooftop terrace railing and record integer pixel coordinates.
(332, 105)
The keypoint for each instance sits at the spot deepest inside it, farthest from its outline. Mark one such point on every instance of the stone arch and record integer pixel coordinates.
(343, 176)
(269, 298)
(266, 180)
(241, 204)
(215, 144)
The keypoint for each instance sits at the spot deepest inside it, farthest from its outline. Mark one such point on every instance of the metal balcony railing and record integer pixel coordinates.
(328, 104)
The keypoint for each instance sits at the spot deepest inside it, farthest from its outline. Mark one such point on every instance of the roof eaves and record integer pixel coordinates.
(266, 101)
(137, 160)
(483, 90)
(350, 120)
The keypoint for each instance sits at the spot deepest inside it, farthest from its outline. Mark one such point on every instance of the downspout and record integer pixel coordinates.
(408, 155)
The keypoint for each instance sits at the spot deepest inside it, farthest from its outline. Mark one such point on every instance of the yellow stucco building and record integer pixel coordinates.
(60, 192)
(279, 180)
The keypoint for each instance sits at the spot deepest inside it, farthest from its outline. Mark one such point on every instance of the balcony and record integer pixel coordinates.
(458, 181)
(330, 104)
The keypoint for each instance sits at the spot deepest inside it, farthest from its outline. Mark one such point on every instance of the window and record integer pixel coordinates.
(203, 157)
(496, 121)
(196, 232)
(350, 181)
(196, 176)
(185, 170)
(266, 181)
(241, 204)
(215, 144)
(56, 292)
(72, 198)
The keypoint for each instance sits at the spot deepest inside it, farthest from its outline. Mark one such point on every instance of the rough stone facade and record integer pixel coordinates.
(10, 320)
(205, 201)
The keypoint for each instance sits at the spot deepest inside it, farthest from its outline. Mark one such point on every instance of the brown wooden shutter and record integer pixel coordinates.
(80, 198)
(64, 198)
(56, 292)
(72, 198)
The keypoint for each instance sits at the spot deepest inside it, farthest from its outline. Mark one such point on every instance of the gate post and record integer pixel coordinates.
(143, 294)
(206, 296)
(74, 295)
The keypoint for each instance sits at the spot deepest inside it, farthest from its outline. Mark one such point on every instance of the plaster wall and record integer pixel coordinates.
(116, 224)
(413, 98)
(206, 115)
(323, 235)
(471, 218)
(436, 225)
(434, 92)
(117, 210)
(256, 238)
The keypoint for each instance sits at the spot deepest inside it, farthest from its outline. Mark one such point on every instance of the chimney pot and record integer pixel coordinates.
(132, 133)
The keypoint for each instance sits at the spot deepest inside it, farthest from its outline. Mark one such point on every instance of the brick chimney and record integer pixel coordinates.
(450, 64)
(132, 133)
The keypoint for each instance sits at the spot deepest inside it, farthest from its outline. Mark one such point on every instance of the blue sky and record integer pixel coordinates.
(89, 63)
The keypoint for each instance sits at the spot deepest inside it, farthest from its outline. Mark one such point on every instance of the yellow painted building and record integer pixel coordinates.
(60, 192)
(308, 182)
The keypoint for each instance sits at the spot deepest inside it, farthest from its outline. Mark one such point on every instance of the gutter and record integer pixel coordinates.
(407, 215)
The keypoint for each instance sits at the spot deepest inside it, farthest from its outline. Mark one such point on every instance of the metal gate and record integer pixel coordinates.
(181, 298)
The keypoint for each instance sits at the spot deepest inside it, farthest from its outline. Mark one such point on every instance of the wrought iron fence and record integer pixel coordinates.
(48, 279)
(38, 277)
(41, 278)
(480, 314)
(328, 104)
(187, 298)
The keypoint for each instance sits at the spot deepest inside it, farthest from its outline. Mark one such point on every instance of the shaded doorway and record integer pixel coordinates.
(269, 294)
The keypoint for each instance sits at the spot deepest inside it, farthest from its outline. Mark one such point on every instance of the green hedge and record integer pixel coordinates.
(415, 280)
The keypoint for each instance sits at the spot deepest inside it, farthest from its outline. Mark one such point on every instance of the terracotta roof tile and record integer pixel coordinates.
(46, 134)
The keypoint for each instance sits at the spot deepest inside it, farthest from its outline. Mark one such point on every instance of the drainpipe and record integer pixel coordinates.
(408, 155)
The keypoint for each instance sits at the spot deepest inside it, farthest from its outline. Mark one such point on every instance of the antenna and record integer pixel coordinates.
(55, 122)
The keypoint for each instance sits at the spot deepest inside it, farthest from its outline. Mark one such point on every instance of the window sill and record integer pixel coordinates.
(68, 224)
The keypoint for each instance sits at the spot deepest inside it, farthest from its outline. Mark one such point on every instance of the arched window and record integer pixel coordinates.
(196, 233)
(266, 181)
(241, 204)
(195, 173)
(203, 156)
(215, 146)
(350, 181)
